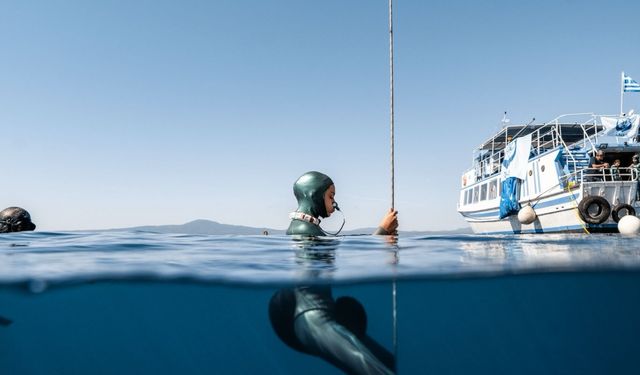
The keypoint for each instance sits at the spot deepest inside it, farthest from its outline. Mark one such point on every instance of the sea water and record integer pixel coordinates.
(147, 303)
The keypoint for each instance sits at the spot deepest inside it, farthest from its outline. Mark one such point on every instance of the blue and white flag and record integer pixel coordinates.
(629, 84)
(626, 126)
(516, 158)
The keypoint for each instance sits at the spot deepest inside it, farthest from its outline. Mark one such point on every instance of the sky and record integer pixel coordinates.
(125, 113)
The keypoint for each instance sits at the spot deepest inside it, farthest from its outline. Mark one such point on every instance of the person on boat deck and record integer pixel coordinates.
(635, 173)
(315, 194)
(615, 170)
(15, 219)
(598, 163)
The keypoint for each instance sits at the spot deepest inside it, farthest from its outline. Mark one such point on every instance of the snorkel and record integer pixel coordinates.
(309, 191)
(344, 220)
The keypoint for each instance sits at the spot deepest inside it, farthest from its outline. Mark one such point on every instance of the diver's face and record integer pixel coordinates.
(329, 199)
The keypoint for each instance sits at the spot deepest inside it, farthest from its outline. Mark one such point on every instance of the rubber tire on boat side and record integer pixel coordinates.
(615, 212)
(604, 209)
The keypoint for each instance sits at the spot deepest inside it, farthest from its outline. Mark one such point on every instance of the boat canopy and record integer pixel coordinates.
(570, 133)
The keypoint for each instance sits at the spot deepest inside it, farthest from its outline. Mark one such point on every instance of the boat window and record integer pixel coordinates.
(493, 189)
(465, 198)
(475, 194)
(483, 192)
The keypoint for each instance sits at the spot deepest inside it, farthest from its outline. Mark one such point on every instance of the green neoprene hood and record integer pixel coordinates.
(309, 190)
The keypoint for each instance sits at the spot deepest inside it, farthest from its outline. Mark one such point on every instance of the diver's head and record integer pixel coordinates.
(315, 194)
(15, 219)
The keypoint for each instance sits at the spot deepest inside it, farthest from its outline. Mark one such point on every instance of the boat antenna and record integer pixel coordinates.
(505, 120)
(394, 286)
(523, 129)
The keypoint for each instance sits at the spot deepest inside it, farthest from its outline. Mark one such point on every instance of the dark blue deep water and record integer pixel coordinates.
(144, 303)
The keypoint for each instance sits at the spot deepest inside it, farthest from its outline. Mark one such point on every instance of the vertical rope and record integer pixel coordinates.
(391, 103)
(394, 291)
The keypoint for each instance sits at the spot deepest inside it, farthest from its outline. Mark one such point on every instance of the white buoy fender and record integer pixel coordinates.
(629, 225)
(527, 215)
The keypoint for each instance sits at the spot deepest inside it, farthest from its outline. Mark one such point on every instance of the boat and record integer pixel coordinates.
(535, 178)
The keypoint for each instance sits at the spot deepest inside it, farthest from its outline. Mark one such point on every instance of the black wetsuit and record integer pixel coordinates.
(317, 329)
(307, 318)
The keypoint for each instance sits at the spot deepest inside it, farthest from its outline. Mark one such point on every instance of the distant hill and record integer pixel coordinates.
(212, 227)
(204, 227)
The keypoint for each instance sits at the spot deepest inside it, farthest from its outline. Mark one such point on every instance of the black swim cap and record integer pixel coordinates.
(309, 190)
(15, 219)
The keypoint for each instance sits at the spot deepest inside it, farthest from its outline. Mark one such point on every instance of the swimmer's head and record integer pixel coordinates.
(15, 219)
(314, 192)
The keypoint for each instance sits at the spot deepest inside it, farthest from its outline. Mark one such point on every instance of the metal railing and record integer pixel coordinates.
(609, 174)
(623, 174)
(542, 142)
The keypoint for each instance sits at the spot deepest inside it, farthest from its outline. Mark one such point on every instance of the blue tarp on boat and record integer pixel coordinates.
(509, 197)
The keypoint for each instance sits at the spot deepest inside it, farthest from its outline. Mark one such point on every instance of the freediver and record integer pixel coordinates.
(307, 318)
(315, 193)
(15, 219)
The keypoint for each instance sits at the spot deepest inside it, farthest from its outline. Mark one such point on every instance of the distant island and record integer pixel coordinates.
(203, 226)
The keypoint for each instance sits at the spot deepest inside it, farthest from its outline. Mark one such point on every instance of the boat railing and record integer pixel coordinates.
(543, 141)
(589, 127)
(624, 174)
(540, 143)
(590, 132)
(490, 165)
(609, 174)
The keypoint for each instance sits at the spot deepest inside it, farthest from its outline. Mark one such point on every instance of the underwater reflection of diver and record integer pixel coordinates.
(310, 321)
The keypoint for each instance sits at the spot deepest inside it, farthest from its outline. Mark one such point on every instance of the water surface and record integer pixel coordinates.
(145, 303)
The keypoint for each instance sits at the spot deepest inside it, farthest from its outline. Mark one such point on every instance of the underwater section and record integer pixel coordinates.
(552, 323)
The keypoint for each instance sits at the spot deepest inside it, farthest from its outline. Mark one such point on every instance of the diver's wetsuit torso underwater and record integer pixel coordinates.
(309, 320)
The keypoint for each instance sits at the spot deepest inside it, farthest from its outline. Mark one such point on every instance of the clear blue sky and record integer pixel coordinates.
(122, 113)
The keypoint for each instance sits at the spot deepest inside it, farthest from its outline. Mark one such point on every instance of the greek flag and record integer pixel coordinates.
(630, 85)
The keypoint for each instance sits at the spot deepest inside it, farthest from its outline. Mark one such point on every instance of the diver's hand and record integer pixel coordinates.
(390, 221)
